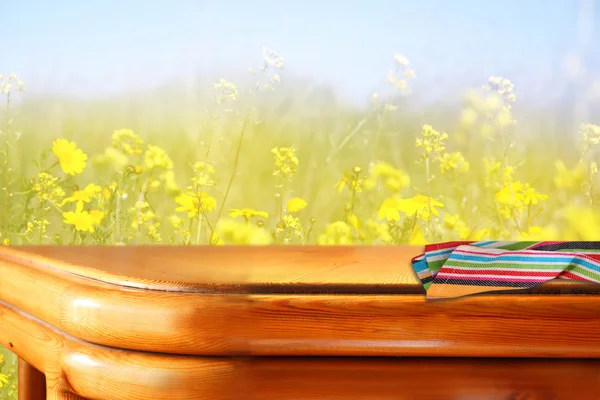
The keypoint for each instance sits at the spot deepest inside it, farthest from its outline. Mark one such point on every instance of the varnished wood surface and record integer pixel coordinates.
(304, 324)
(247, 269)
(78, 370)
(94, 372)
(423, 379)
(32, 383)
(509, 326)
(231, 269)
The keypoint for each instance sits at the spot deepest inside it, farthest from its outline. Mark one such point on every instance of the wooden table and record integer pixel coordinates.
(345, 322)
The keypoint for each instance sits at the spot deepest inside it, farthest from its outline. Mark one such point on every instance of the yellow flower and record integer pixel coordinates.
(3, 379)
(286, 161)
(215, 239)
(6, 242)
(417, 237)
(106, 194)
(511, 194)
(354, 181)
(204, 174)
(127, 141)
(192, 202)
(389, 210)
(453, 222)
(379, 231)
(47, 188)
(176, 221)
(569, 178)
(432, 141)
(72, 160)
(453, 162)
(112, 158)
(336, 233)
(291, 227)
(97, 216)
(484, 233)
(81, 219)
(531, 196)
(296, 204)
(37, 226)
(419, 205)
(83, 196)
(394, 179)
(247, 213)
(354, 221)
(535, 233)
(157, 158)
(233, 232)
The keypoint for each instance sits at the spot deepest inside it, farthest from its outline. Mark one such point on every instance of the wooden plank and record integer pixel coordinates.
(304, 324)
(32, 383)
(418, 378)
(230, 269)
(387, 325)
(78, 370)
(243, 323)
(236, 269)
(111, 315)
(75, 369)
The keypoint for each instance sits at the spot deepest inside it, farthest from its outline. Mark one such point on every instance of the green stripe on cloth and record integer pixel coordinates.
(455, 269)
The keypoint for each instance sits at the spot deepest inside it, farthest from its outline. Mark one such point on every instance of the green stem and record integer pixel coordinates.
(235, 164)
(6, 212)
(379, 131)
(74, 237)
(212, 131)
(41, 221)
(427, 172)
(310, 230)
(118, 215)
(189, 235)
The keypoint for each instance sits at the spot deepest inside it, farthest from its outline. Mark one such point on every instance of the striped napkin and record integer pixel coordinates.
(455, 269)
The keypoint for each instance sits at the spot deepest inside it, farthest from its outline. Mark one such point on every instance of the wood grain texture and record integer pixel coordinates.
(385, 325)
(75, 369)
(32, 383)
(212, 269)
(247, 269)
(423, 379)
(171, 322)
(303, 324)
(78, 370)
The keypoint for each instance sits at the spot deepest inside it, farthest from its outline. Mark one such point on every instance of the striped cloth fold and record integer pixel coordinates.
(455, 269)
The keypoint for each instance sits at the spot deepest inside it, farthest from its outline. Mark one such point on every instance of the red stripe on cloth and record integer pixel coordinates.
(532, 253)
(449, 270)
(595, 257)
(570, 275)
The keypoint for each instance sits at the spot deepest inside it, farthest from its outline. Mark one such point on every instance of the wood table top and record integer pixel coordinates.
(350, 301)
(269, 269)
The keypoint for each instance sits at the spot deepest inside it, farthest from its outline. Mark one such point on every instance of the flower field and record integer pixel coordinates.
(243, 170)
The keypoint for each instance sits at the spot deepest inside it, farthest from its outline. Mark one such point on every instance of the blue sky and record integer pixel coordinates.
(99, 47)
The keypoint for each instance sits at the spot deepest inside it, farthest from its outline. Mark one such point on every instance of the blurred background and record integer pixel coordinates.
(314, 122)
(331, 122)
